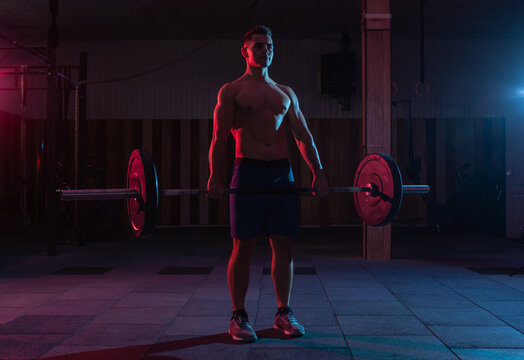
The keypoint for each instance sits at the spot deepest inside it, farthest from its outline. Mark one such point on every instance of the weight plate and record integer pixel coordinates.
(382, 171)
(141, 175)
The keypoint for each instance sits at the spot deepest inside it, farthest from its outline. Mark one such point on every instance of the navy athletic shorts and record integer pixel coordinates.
(254, 214)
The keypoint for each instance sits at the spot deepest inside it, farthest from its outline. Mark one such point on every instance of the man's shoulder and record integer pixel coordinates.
(233, 86)
(283, 87)
(229, 89)
(227, 86)
(287, 90)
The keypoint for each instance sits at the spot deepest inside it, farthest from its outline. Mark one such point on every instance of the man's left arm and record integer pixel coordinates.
(306, 144)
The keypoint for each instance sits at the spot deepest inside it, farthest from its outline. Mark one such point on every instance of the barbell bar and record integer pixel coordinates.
(98, 194)
(377, 191)
(116, 194)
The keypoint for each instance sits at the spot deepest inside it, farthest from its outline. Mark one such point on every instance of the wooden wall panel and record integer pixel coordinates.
(180, 148)
(194, 170)
(338, 143)
(174, 169)
(164, 172)
(9, 168)
(203, 169)
(147, 135)
(112, 158)
(411, 205)
(184, 170)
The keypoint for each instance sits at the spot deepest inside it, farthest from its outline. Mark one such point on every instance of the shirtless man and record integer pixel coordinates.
(256, 110)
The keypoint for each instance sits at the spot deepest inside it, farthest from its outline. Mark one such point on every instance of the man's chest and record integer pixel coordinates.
(262, 98)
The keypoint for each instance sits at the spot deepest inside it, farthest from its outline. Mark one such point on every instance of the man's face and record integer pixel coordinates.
(258, 51)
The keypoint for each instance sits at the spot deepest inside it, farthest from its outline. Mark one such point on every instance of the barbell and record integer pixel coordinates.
(377, 191)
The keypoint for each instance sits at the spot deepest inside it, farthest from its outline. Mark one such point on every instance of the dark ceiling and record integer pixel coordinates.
(28, 20)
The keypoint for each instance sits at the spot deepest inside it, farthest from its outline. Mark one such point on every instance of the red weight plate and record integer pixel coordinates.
(382, 171)
(141, 175)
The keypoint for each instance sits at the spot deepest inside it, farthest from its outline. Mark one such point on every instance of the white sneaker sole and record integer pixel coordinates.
(242, 339)
(295, 333)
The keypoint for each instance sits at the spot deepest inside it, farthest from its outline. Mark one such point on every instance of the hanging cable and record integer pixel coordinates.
(422, 88)
(178, 59)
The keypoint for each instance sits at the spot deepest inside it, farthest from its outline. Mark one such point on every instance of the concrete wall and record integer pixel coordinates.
(467, 77)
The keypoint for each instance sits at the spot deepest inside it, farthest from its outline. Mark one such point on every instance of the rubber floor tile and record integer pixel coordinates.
(152, 300)
(435, 301)
(382, 325)
(479, 336)
(503, 308)
(515, 321)
(214, 347)
(85, 352)
(139, 315)
(300, 354)
(491, 354)
(10, 314)
(369, 307)
(198, 325)
(315, 337)
(398, 347)
(84, 293)
(456, 316)
(359, 294)
(21, 300)
(45, 325)
(72, 307)
(116, 335)
(14, 347)
(477, 294)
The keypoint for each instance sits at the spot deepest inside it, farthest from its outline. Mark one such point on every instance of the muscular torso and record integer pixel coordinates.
(258, 125)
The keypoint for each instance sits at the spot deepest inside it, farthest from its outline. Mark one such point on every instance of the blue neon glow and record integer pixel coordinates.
(156, 184)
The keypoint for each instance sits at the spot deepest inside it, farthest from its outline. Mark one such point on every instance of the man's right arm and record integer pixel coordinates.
(222, 124)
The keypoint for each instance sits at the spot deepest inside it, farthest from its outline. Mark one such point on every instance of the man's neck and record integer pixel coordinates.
(257, 73)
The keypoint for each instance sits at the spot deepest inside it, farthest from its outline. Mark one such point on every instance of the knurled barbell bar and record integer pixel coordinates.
(115, 194)
(377, 191)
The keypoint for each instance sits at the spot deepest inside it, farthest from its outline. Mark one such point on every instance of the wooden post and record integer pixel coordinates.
(52, 113)
(376, 105)
(81, 148)
(23, 147)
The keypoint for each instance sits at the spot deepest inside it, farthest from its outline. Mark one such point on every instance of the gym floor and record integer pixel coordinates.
(442, 296)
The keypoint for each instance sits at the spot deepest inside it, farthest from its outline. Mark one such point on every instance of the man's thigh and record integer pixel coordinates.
(283, 216)
(247, 215)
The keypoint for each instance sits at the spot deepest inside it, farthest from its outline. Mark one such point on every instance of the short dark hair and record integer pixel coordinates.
(260, 29)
